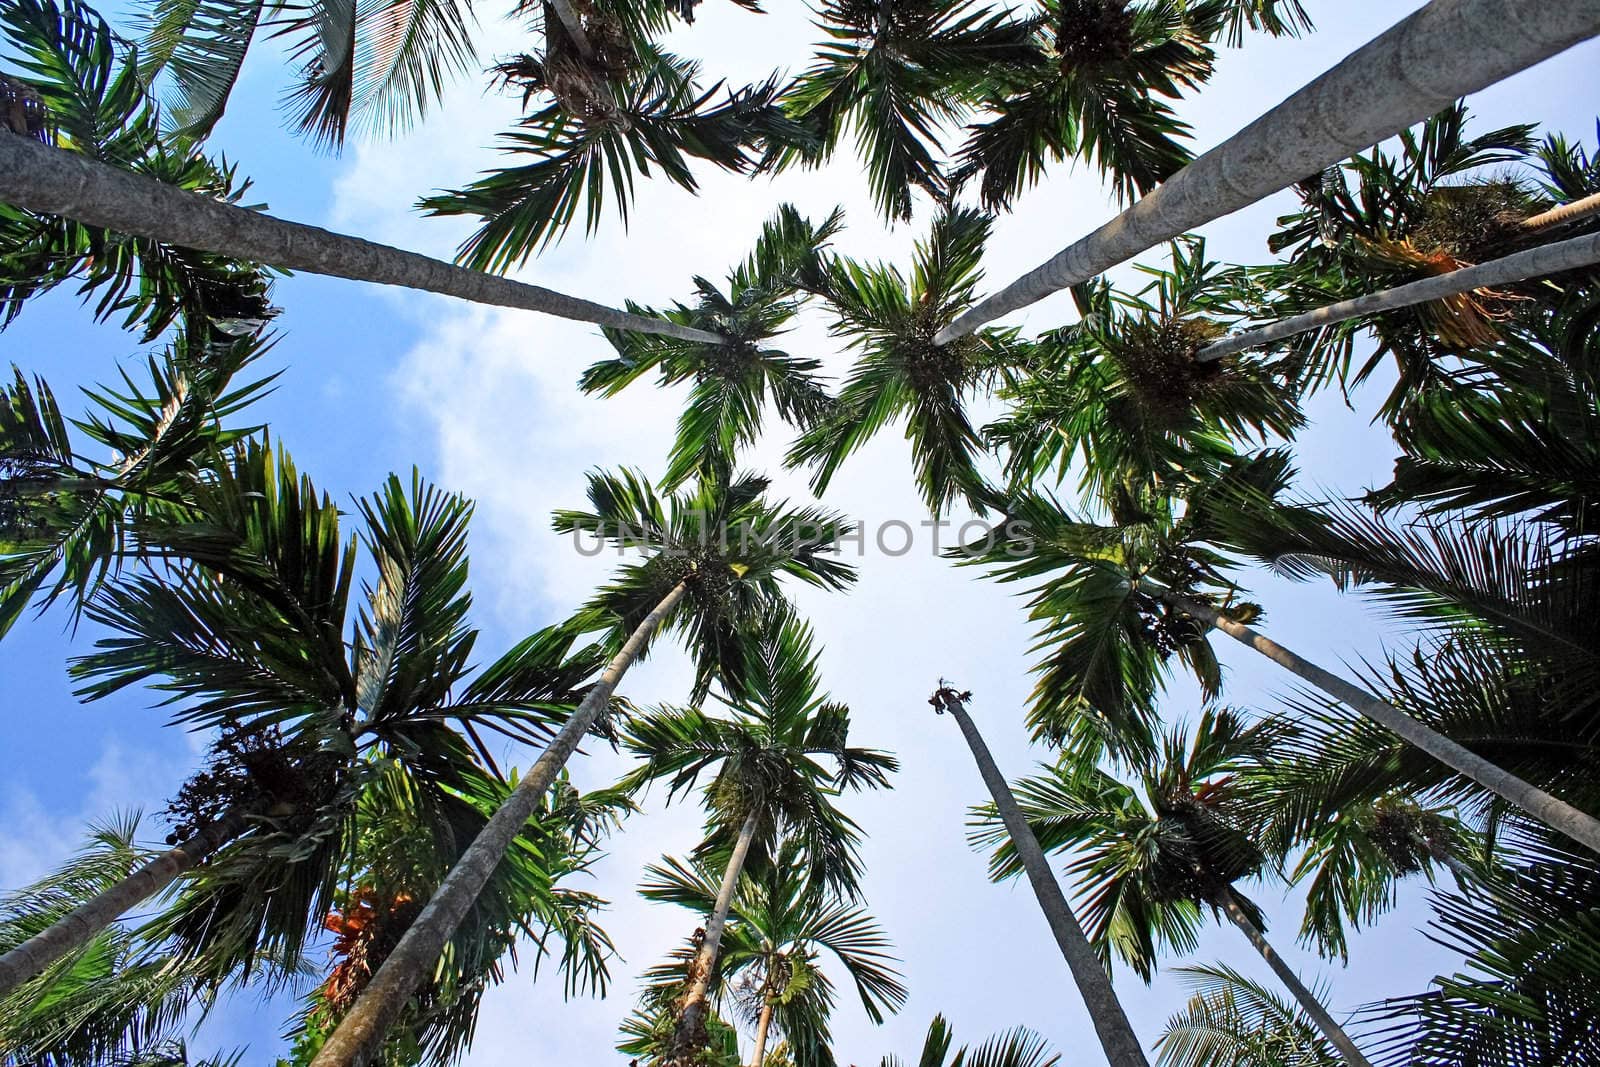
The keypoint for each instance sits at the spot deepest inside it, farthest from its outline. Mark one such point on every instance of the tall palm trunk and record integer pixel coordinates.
(57, 182)
(691, 1020)
(1228, 900)
(1554, 813)
(759, 1056)
(78, 927)
(1447, 50)
(1534, 263)
(361, 1032)
(1117, 1038)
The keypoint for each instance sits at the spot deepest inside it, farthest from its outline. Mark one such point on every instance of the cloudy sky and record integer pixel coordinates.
(483, 402)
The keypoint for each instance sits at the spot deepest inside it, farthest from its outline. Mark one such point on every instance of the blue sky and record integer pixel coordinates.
(483, 401)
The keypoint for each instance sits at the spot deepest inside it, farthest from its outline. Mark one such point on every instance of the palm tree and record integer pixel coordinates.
(1108, 640)
(53, 182)
(645, 111)
(1353, 842)
(1122, 394)
(1444, 201)
(733, 379)
(891, 319)
(1127, 598)
(773, 770)
(1439, 290)
(115, 1000)
(780, 925)
(1095, 87)
(1489, 595)
(715, 562)
(66, 520)
(401, 851)
(895, 72)
(254, 636)
(1232, 1021)
(1519, 443)
(1527, 988)
(377, 68)
(1372, 103)
(1117, 1038)
(1013, 1048)
(93, 103)
(1150, 859)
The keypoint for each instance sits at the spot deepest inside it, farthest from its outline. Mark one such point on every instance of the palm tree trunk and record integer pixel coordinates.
(760, 1055)
(1554, 813)
(1447, 50)
(361, 1032)
(57, 182)
(1094, 984)
(691, 1021)
(574, 27)
(1534, 263)
(1229, 901)
(78, 927)
(1564, 213)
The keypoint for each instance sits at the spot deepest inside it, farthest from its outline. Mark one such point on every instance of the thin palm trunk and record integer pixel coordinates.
(1564, 213)
(80, 926)
(1534, 263)
(1445, 51)
(1117, 1038)
(574, 27)
(1229, 902)
(762, 1024)
(691, 1021)
(57, 182)
(361, 1032)
(1554, 813)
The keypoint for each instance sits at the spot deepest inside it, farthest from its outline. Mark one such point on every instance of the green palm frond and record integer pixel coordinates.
(890, 318)
(723, 539)
(1233, 1021)
(661, 120)
(88, 81)
(732, 382)
(895, 73)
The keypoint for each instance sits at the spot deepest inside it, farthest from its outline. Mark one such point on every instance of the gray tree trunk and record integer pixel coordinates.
(691, 1020)
(760, 1055)
(1554, 813)
(81, 925)
(1443, 52)
(1116, 1034)
(1331, 1030)
(361, 1032)
(1534, 263)
(57, 182)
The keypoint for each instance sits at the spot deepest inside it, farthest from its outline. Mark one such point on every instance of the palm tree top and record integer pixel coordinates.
(780, 754)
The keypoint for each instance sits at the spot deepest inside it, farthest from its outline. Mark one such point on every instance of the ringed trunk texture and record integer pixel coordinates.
(1565, 213)
(1116, 1034)
(1417, 67)
(1553, 812)
(57, 182)
(1534, 263)
(762, 1024)
(80, 926)
(361, 1032)
(692, 1019)
(1331, 1030)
